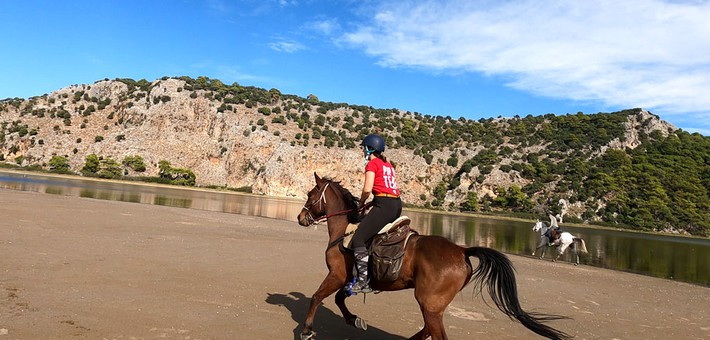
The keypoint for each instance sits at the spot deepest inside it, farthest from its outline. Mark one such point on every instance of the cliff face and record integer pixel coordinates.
(227, 144)
(191, 133)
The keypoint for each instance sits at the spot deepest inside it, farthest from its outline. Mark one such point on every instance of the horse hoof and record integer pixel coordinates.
(308, 336)
(360, 324)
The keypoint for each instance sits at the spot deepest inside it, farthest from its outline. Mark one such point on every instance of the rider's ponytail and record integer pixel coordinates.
(380, 156)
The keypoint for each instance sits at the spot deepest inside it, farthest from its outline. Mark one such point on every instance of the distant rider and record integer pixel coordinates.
(553, 233)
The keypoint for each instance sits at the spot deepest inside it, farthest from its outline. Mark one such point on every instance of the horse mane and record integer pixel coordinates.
(351, 202)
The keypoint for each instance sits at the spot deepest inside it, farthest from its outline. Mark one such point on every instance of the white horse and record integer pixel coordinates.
(566, 240)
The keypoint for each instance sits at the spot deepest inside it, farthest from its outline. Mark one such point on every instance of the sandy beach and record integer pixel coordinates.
(82, 268)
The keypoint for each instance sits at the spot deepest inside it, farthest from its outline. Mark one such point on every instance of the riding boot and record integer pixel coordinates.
(362, 285)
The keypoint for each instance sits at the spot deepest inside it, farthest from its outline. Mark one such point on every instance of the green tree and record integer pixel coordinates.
(176, 176)
(134, 162)
(164, 167)
(312, 99)
(91, 166)
(59, 164)
(471, 202)
(514, 198)
(109, 168)
(440, 191)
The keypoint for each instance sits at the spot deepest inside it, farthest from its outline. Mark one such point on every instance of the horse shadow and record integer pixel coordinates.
(328, 324)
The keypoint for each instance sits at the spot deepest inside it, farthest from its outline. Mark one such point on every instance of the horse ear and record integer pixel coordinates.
(318, 180)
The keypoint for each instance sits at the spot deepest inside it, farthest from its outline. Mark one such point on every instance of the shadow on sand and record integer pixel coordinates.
(328, 324)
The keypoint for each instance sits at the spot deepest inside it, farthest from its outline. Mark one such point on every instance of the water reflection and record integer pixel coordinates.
(54, 190)
(685, 259)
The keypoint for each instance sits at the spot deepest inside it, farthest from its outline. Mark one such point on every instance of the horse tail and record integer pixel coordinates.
(496, 272)
(582, 245)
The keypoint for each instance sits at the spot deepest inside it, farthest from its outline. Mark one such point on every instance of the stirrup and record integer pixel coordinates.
(351, 289)
(365, 289)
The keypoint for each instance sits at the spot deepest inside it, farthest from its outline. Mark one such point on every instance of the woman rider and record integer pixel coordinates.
(380, 181)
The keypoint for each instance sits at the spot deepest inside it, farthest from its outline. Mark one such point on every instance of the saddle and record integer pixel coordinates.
(553, 235)
(386, 248)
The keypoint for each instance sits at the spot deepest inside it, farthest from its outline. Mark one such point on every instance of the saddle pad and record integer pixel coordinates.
(349, 238)
(402, 220)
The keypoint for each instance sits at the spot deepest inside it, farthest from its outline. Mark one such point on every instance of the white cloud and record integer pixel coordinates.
(286, 46)
(704, 132)
(326, 27)
(633, 53)
(219, 6)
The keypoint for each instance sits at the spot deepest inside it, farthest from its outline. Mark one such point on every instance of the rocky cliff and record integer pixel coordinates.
(237, 136)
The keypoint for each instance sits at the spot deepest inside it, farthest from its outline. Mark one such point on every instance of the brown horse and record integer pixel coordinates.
(435, 267)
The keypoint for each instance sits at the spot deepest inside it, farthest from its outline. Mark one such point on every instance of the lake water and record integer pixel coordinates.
(678, 258)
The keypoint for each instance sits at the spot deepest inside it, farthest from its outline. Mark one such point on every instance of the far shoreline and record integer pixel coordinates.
(20, 170)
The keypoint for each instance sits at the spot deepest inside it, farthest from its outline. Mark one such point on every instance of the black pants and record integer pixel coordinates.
(384, 210)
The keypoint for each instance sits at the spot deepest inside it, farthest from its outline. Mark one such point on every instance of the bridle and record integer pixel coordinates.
(322, 200)
(309, 217)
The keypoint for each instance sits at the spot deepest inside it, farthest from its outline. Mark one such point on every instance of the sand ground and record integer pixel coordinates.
(83, 268)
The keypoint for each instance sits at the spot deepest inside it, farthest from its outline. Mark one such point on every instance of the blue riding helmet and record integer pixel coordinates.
(374, 143)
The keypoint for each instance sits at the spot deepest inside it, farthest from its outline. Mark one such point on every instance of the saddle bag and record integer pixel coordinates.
(387, 252)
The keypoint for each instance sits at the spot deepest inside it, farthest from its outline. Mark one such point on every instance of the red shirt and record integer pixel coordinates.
(384, 177)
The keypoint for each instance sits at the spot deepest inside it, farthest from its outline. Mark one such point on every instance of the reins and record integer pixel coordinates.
(343, 212)
(319, 219)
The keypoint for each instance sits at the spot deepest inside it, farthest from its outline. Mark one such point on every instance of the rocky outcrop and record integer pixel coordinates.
(166, 120)
(641, 122)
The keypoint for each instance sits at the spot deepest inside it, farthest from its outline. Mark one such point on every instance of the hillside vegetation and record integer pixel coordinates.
(627, 168)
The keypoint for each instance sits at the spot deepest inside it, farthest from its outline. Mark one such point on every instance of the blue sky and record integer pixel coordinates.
(475, 59)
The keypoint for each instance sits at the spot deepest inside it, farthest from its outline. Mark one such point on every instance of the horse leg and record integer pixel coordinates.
(433, 326)
(562, 249)
(544, 244)
(540, 245)
(350, 318)
(421, 335)
(433, 297)
(332, 282)
(576, 253)
(434, 322)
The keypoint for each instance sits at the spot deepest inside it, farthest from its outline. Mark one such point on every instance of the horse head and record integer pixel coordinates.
(315, 206)
(537, 226)
(328, 199)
